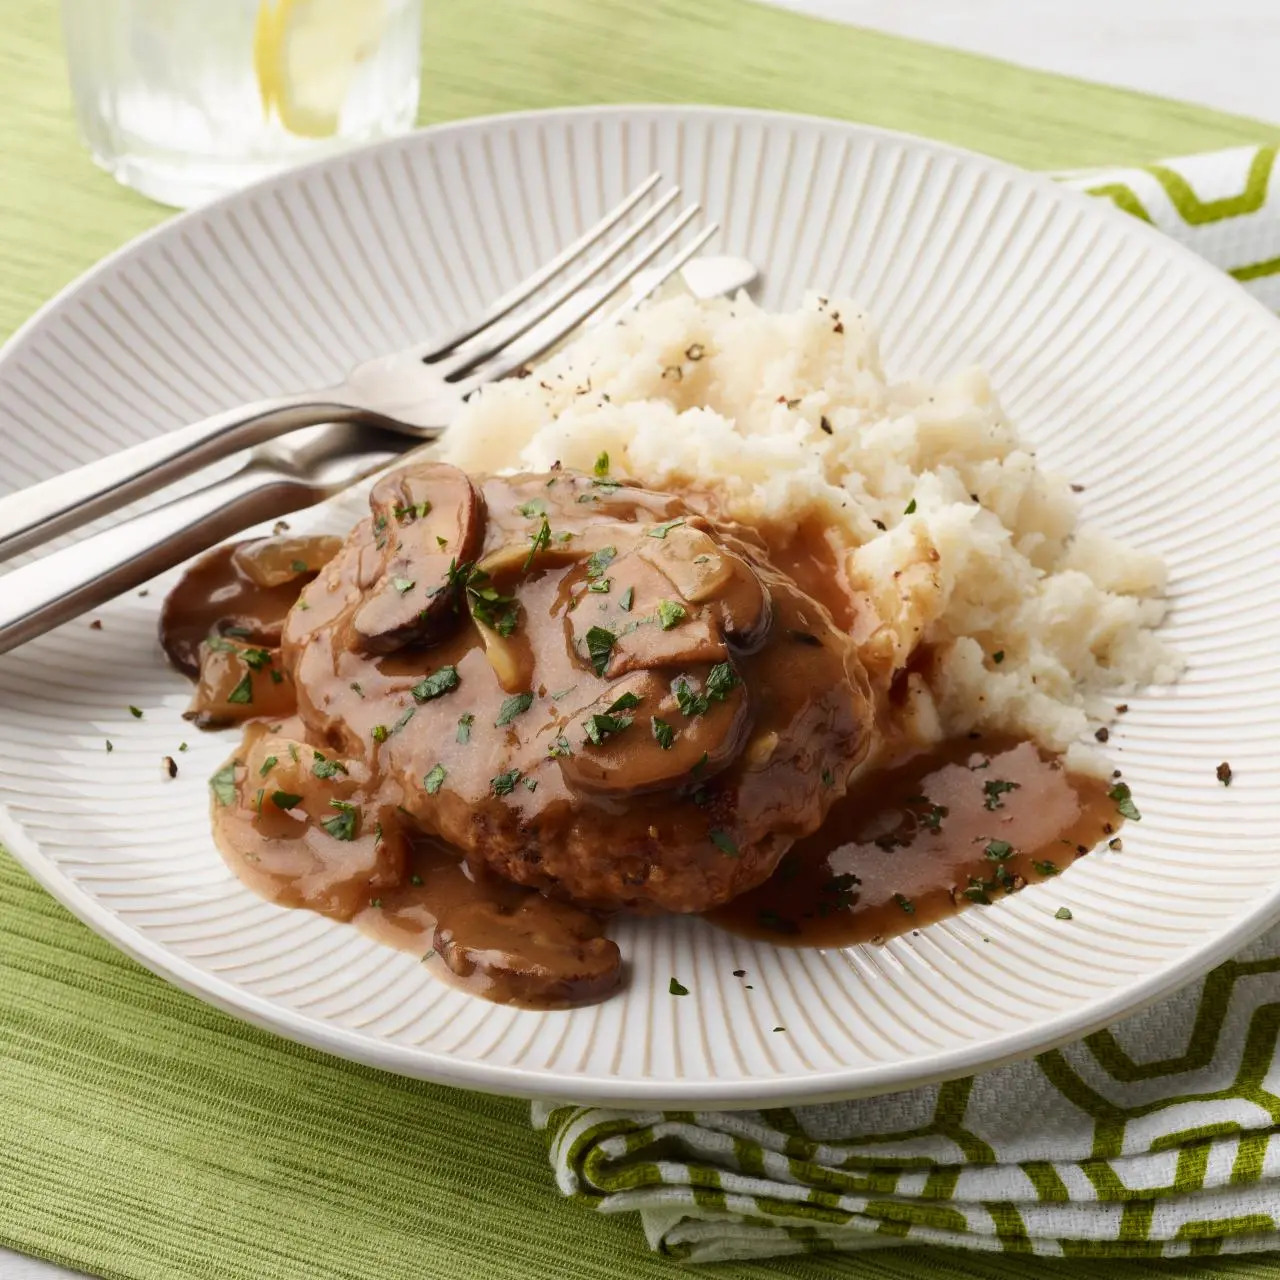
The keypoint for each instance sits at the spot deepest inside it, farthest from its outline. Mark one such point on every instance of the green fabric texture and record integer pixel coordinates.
(146, 1136)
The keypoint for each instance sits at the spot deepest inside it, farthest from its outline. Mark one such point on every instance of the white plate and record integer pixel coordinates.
(1131, 364)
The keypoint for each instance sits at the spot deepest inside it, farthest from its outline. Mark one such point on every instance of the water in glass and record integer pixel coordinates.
(187, 99)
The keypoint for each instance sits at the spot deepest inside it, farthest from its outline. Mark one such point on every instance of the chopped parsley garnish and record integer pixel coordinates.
(110, 747)
(600, 587)
(327, 768)
(541, 541)
(345, 825)
(459, 575)
(664, 733)
(905, 903)
(418, 511)
(276, 676)
(677, 988)
(661, 530)
(600, 644)
(267, 765)
(299, 566)
(242, 693)
(285, 800)
(223, 783)
(1045, 868)
(993, 789)
(405, 716)
(465, 722)
(432, 782)
(505, 783)
(403, 585)
(532, 509)
(998, 850)
(691, 704)
(626, 702)
(379, 733)
(435, 685)
(136, 712)
(563, 693)
(1121, 794)
(998, 657)
(602, 464)
(932, 815)
(1063, 913)
(724, 842)
(721, 681)
(626, 599)
(601, 726)
(489, 606)
(977, 892)
(828, 778)
(559, 747)
(256, 659)
(531, 784)
(516, 705)
(599, 561)
(182, 746)
(293, 752)
(911, 508)
(670, 614)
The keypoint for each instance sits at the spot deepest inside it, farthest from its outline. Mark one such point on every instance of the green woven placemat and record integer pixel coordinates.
(146, 1136)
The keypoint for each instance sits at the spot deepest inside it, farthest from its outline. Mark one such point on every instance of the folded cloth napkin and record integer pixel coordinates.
(1159, 1137)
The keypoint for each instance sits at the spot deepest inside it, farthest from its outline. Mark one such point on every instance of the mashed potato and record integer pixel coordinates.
(955, 537)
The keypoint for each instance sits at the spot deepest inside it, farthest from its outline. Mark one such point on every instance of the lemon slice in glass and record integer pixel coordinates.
(306, 54)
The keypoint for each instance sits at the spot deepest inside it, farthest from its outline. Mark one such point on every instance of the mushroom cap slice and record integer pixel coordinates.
(538, 953)
(618, 750)
(673, 602)
(428, 520)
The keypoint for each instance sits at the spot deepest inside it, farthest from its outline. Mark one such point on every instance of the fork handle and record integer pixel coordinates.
(58, 587)
(66, 502)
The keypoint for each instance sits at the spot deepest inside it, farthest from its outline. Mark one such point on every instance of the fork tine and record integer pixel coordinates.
(465, 362)
(570, 316)
(508, 302)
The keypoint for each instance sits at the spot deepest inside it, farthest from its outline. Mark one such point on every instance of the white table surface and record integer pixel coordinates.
(1221, 55)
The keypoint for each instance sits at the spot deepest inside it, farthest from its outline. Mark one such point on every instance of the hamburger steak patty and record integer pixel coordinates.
(587, 687)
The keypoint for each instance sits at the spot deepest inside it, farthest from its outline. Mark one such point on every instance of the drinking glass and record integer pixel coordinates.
(187, 99)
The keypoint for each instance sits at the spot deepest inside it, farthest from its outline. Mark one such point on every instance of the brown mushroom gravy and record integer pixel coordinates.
(963, 823)
(506, 707)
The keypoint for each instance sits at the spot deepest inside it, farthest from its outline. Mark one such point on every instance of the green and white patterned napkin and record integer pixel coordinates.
(1224, 206)
(1159, 1137)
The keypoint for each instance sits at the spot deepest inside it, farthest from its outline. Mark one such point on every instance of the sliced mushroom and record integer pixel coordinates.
(216, 596)
(705, 572)
(536, 953)
(618, 749)
(271, 562)
(427, 520)
(666, 606)
(239, 682)
(492, 600)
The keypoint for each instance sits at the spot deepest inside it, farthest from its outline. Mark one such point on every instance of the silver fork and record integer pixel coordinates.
(416, 391)
(276, 478)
